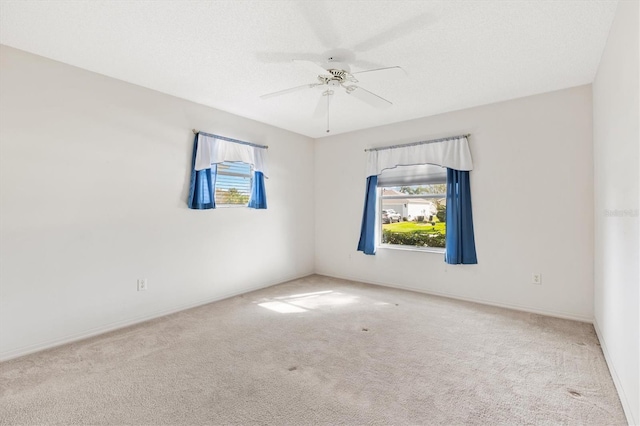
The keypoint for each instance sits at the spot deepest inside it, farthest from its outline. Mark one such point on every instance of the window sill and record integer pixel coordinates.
(411, 248)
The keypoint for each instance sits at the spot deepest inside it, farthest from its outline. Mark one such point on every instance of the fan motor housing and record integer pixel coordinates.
(336, 75)
(339, 75)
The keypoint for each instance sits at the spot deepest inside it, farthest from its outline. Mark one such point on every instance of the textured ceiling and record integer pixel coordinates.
(225, 54)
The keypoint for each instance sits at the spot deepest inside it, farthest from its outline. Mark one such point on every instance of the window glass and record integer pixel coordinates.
(413, 215)
(233, 184)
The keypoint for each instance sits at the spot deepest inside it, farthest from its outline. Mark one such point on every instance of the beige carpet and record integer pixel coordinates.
(349, 353)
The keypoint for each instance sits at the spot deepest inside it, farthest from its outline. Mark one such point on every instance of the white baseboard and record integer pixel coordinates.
(37, 347)
(626, 406)
(554, 314)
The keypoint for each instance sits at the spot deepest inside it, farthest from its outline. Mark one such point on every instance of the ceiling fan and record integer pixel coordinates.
(334, 75)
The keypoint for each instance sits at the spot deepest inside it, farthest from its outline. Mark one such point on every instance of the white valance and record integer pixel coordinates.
(451, 153)
(212, 150)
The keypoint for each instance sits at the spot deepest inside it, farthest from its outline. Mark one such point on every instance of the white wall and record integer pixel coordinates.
(616, 150)
(94, 174)
(532, 205)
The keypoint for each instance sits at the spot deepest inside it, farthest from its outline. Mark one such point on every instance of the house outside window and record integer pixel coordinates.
(412, 215)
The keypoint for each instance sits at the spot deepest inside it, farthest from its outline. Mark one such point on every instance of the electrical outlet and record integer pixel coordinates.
(142, 284)
(536, 279)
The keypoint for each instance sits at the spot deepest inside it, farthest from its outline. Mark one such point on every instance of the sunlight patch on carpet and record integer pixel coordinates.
(305, 301)
(283, 308)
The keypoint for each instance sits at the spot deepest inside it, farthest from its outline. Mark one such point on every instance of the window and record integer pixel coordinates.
(412, 207)
(233, 184)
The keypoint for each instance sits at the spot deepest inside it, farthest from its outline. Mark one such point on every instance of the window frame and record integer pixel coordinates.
(379, 229)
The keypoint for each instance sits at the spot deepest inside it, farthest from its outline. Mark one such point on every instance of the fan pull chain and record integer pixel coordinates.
(328, 105)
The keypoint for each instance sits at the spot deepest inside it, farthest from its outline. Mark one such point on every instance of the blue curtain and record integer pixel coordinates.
(258, 198)
(202, 185)
(460, 242)
(367, 243)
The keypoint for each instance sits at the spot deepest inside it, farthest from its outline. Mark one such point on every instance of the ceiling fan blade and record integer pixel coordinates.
(397, 31)
(322, 108)
(311, 66)
(319, 19)
(368, 97)
(290, 90)
(388, 70)
(284, 57)
(361, 63)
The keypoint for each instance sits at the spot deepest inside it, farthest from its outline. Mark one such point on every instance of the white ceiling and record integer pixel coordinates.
(224, 54)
